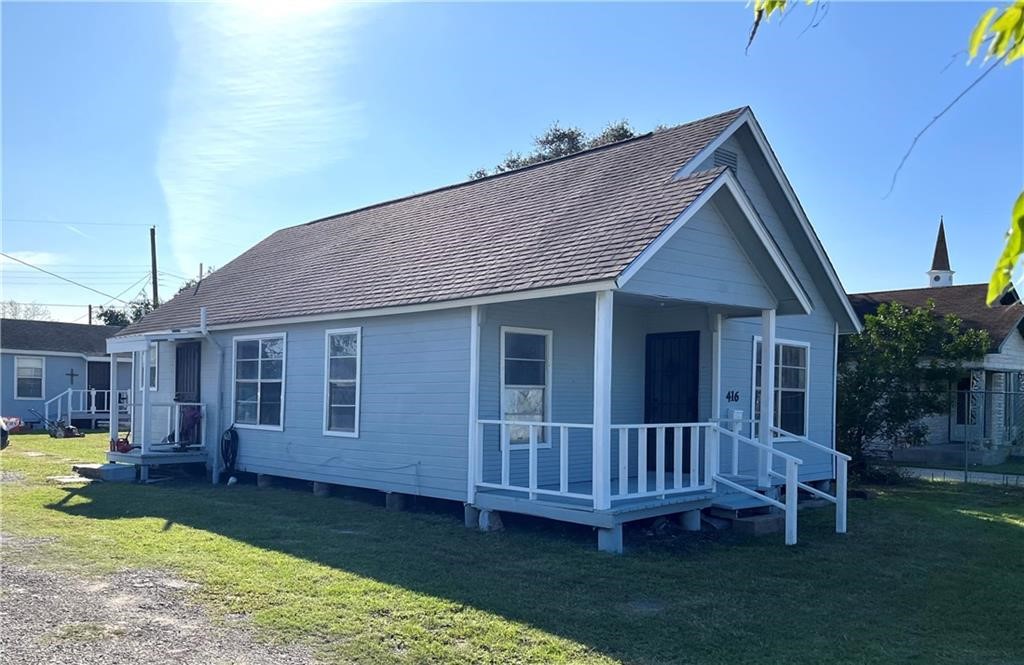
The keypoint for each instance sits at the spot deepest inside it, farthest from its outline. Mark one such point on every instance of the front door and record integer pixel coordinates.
(99, 379)
(671, 384)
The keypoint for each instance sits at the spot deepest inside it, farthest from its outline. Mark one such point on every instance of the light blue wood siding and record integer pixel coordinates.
(56, 381)
(702, 262)
(414, 415)
(816, 328)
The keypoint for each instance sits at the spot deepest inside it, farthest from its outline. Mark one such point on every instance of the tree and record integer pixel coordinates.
(897, 371)
(12, 309)
(130, 313)
(1001, 36)
(558, 141)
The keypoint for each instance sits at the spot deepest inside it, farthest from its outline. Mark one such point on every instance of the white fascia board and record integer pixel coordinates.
(747, 118)
(728, 180)
(532, 294)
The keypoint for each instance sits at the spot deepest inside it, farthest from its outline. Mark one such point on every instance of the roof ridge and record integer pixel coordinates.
(521, 169)
(918, 288)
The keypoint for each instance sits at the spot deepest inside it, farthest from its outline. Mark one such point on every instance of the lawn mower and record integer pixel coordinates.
(57, 429)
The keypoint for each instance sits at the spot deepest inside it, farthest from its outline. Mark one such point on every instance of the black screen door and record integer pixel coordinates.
(671, 383)
(99, 379)
(186, 372)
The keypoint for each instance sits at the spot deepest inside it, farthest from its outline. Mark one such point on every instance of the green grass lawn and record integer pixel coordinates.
(1013, 465)
(929, 573)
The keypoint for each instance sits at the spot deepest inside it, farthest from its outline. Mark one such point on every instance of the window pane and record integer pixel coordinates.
(245, 412)
(524, 345)
(524, 403)
(270, 391)
(524, 373)
(343, 394)
(247, 369)
(342, 419)
(270, 413)
(30, 388)
(245, 392)
(343, 369)
(794, 356)
(272, 348)
(344, 344)
(271, 369)
(791, 412)
(793, 378)
(248, 349)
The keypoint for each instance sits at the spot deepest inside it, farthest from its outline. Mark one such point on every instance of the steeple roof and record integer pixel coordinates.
(940, 260)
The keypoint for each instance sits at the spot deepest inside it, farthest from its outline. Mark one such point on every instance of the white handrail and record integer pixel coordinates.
(813, 444)
(842, 471)
(792, 479)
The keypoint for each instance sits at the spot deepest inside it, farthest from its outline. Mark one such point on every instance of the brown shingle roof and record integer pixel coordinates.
(966, 302)
(573, 220)
(55, 336)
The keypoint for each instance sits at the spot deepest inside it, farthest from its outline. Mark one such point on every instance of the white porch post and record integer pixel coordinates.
(143, 435)
(112, 398)
(767, 394)
(474, 403)
(602, 399)
(716, 366)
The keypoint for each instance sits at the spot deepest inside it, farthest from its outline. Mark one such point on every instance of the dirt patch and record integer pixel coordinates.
(134, 616)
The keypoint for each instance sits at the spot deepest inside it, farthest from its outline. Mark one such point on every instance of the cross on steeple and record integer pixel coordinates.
(940, 274)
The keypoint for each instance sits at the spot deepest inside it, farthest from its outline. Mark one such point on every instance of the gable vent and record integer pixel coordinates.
(726, 158)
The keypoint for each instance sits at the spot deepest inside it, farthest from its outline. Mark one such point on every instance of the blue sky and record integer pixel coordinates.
(219, 124)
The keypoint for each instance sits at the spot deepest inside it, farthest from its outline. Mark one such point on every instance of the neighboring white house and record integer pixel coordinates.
(579, 339)
(986, 411)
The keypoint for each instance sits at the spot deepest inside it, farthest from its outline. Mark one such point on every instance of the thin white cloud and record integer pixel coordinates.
(75, 229)
(255, 98)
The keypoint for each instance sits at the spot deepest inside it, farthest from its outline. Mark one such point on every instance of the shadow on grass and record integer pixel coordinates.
(691, 593)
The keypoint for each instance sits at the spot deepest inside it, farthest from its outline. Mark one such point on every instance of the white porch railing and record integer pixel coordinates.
(169, 424)
(697, 441)
(79, 401)
(842, 465)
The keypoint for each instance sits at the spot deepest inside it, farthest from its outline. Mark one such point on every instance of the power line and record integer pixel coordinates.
(70, 281)
(27, 220)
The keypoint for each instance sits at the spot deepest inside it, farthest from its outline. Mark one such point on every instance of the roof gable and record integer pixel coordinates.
(575, 220)
(747, 131)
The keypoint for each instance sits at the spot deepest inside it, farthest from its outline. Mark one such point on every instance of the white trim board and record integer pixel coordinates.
(60, 354)
(727, 180)
(284, 379)
(358, 332)
(747, 118)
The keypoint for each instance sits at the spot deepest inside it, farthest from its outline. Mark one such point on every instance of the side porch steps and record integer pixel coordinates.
(744, 513)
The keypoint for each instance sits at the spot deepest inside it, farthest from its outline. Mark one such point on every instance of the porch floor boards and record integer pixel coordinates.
(582, 511)
(158, 457)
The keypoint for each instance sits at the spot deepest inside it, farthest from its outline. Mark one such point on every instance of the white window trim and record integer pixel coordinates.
(807, 385)
(42, 384)
(284, 378)
(327, 379)
(549, 336)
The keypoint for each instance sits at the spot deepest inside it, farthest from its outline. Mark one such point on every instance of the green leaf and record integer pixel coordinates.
(980, 30)
(1002, 275)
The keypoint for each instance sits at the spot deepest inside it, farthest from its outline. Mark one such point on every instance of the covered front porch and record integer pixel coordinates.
(164, 421)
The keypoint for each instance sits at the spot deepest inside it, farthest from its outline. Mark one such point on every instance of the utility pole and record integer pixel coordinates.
(152, 260)
(90, 315)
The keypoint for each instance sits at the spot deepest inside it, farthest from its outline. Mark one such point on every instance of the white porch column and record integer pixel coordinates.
(602, 399)
(143, 434)
(473, 457)
(112, 398)
(716, 366)
(767, 394)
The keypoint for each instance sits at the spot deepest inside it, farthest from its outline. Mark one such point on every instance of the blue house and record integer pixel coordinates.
(59, 370)
(582, 340)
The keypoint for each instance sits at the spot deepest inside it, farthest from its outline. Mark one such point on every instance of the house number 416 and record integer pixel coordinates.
(732, 396)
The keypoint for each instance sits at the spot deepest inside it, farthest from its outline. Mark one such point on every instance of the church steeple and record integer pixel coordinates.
(940, 274)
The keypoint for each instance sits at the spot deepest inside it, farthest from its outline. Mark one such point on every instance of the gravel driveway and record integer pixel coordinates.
(134, 616)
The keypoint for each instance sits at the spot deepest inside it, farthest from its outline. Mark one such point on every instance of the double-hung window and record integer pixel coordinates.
(790, 399)
(259, 381)
(341, 414)
(525, 381)
(28, 377)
